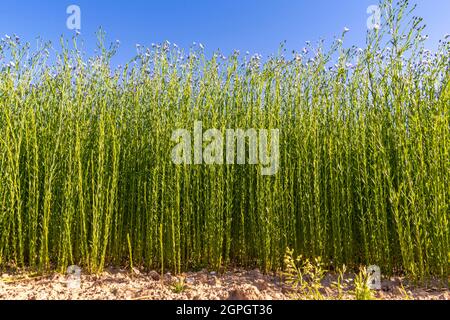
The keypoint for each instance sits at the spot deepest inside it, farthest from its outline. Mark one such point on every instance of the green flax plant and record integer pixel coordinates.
(86, 175)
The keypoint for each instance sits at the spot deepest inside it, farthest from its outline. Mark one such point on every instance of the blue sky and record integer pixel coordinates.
(257, 26)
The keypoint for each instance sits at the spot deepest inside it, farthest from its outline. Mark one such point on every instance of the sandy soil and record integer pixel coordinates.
(233, 285)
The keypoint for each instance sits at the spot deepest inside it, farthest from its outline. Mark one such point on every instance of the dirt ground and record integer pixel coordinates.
(234, 285)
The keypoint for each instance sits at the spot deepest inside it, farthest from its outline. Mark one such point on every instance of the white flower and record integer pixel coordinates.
(376, 26)
(305, 51)
(7, 37)
(201, 46)
(346, 30)
(339, 40)
(12, 64)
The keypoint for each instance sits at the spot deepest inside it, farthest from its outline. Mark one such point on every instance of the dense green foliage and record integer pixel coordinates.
(86, 175)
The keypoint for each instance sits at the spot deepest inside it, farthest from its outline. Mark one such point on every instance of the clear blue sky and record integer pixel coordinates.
(257, 26)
